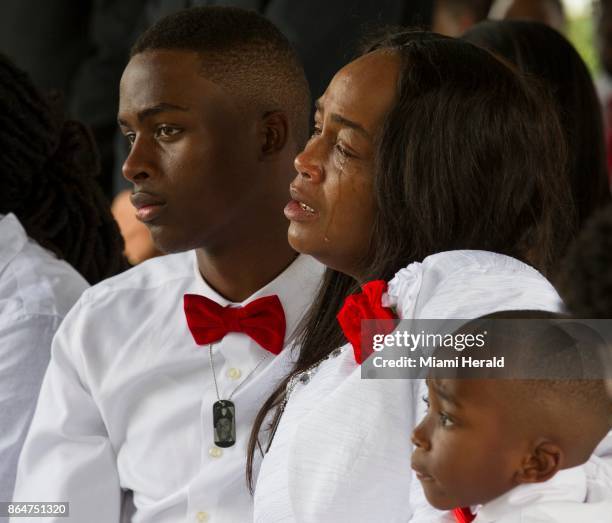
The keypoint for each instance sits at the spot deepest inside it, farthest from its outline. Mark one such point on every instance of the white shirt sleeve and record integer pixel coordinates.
(67, 455)
(25, 340)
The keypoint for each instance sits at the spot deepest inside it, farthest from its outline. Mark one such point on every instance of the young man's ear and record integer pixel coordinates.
(542, 464)
(274, 133)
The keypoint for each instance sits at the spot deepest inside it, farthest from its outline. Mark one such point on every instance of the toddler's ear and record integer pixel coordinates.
(541, 464)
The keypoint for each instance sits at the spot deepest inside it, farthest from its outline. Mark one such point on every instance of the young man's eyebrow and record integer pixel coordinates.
(343, 121)
(155, 109)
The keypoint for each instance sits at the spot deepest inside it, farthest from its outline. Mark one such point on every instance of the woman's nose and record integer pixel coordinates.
(308, 163)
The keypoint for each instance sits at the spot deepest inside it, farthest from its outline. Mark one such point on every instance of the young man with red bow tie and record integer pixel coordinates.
(157, 374)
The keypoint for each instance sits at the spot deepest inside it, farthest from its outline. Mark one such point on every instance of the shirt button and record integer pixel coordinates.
(202, 517)
(234, 373)
(215, 452)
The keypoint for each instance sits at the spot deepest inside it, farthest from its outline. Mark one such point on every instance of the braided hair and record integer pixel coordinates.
(47, 179)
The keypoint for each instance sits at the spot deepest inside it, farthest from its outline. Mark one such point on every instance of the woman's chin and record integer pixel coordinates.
(327, 252)
(302, 240)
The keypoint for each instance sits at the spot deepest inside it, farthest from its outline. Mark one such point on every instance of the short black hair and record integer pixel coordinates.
(48, 179)
(555, 374)
(244, 53)
(585, 282)
(540, 346)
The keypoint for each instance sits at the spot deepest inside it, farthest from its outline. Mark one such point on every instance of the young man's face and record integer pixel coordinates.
(466, 452)
(193, 151)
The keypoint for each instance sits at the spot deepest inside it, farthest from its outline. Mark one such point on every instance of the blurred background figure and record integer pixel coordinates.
(603, 18)
(455, 17)
(548, 12)
(56, 236)
(80, 49)
(586, 280)
(585, 283)
(545, 54)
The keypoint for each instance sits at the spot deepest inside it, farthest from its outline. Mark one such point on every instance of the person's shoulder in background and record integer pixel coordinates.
(33, 281)
(36, 291)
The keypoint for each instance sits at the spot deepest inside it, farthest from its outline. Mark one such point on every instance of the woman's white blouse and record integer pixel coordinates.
(342, 448)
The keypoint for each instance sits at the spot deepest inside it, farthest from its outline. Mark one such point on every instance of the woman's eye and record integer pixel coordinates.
(426, 401)
(316, 131)
(342, 151)
(445, 420)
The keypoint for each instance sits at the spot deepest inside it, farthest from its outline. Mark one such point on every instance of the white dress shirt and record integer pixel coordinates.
(126, 404)
(576, 495)
(342, 449)
(36, 292)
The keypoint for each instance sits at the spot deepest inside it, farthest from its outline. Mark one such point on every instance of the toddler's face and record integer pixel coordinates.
(466, 449)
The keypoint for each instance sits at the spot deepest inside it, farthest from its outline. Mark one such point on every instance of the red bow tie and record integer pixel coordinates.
(262, 319)
(463, 515)
(366, 305)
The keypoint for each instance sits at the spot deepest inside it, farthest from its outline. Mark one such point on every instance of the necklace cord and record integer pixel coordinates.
(212, 368)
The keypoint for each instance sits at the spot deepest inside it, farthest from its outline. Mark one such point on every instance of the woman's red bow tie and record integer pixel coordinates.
(366, 305)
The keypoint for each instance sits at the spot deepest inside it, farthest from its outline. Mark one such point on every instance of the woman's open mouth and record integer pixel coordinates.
(299, 211)
(306, 207)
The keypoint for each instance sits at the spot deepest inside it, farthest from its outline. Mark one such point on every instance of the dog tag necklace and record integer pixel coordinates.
(224, 411)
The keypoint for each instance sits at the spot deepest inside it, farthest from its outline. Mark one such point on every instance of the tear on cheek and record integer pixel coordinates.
(334, 206)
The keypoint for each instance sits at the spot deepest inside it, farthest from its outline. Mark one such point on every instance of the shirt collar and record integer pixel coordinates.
(565, 485)
(296, 287)
(14, 239)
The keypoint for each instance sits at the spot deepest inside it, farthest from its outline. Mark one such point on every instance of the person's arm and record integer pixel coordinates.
(67, 455)
(25, 345)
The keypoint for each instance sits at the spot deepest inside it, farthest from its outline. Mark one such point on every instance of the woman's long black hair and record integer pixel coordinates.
(47, 179)
(471, 156)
